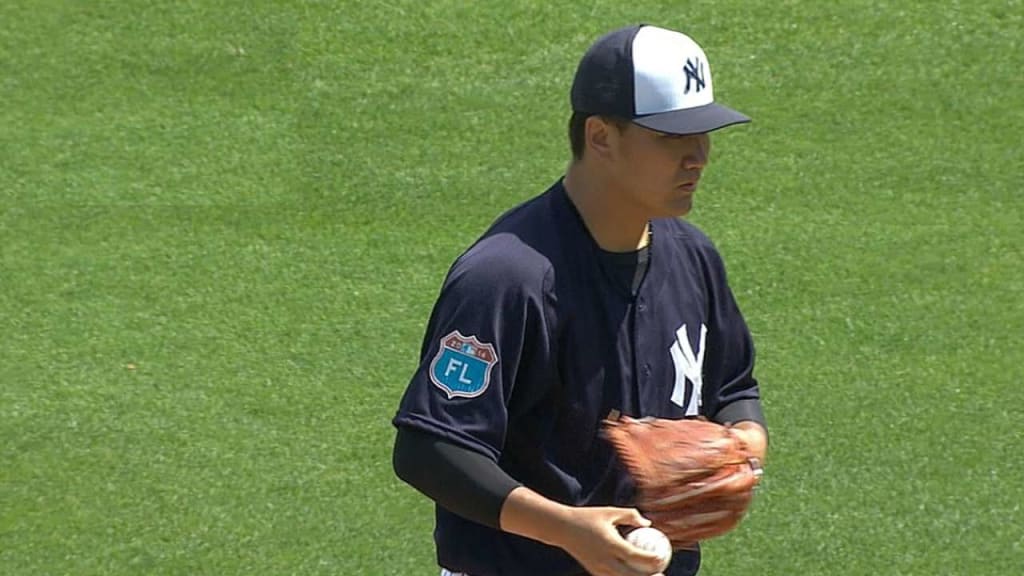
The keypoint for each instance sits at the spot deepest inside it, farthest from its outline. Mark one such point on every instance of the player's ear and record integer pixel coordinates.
(599, 137)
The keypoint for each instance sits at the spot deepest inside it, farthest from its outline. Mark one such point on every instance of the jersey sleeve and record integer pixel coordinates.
(487, 333)
(734, 394)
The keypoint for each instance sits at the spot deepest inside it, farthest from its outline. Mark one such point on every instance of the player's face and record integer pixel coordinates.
(660, 171)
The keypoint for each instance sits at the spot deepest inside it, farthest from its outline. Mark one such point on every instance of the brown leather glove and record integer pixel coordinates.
(695, 479)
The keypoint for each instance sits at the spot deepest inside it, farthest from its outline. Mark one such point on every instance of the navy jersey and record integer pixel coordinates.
(531, 344)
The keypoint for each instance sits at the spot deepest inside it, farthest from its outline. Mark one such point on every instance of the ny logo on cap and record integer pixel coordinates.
(694, 70)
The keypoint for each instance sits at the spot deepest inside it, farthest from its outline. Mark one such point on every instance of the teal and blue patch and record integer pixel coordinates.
(462, 366)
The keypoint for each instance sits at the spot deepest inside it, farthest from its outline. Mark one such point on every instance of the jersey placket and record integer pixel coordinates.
(641, 362)
(650, 316)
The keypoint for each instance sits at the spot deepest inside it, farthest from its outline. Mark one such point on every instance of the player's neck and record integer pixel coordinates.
(613, 225)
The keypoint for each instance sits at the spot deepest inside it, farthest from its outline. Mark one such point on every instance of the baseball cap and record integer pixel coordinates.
(657, 78)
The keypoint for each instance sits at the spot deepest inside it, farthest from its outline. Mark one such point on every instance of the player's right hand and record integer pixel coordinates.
(592, 537)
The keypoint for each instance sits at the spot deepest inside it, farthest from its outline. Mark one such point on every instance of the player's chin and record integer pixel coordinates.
(680, 205)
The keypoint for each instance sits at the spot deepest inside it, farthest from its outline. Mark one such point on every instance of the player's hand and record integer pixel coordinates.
(592, 537)
(589, 534)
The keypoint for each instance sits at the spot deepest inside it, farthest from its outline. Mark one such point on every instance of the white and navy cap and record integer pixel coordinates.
(657, 78)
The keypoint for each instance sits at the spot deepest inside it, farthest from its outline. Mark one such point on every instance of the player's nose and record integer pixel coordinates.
(696, 156)
(696, 159)
(691, 163)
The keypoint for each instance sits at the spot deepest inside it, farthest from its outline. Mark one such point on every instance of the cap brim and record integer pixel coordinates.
(697, 120)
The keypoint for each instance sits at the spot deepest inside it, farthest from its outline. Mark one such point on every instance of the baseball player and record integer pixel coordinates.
(593, 298)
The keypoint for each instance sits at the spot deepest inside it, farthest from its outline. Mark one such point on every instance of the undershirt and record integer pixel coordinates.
(626, 270)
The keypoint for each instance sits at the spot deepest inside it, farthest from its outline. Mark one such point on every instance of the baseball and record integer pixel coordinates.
(652, 540)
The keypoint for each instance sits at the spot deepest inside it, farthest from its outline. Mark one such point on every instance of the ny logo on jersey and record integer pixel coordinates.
(462, 366)
(689, 366)
(694, 71)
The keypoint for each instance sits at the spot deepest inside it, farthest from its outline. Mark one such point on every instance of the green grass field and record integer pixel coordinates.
(222, 226)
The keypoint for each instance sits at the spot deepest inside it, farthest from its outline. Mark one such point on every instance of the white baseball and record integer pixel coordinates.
(652, 540)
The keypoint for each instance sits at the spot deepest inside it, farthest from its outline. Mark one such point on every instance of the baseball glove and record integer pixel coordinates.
(695, 479)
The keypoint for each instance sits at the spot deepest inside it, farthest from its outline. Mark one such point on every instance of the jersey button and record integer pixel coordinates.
(641, 306)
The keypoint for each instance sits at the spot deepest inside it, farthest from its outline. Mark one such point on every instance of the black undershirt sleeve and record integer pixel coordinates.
(461, 480)
(742, 410)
